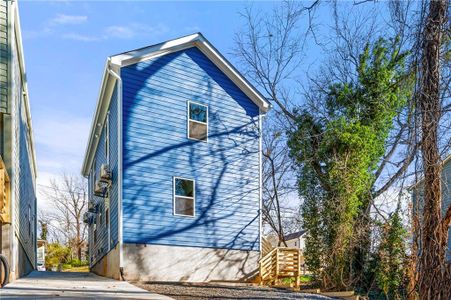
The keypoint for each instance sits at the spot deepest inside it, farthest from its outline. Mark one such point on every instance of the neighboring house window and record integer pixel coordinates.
(197, 121)
(184, 197)
(107, 217)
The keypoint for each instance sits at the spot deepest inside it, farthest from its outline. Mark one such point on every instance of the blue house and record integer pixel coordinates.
(174, 166)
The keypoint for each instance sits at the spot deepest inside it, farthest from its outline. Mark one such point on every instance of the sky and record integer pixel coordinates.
(66, 45)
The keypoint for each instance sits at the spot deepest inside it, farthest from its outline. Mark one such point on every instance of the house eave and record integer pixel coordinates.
(99, 118)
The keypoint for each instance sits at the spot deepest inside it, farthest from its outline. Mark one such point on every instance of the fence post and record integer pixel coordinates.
(298, 278)
(277, 267)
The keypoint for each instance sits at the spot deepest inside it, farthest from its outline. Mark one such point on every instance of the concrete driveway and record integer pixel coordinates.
(62, 285)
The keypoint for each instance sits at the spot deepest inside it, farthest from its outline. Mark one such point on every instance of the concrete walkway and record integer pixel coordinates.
(62, 285)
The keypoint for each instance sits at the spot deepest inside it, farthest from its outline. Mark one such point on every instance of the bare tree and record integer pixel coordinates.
(278, 181)
(68, 199)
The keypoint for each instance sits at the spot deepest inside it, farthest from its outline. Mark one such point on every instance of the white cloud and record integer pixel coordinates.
(133, 30)
(80, 37)
(53, 25)
(62, 19)
(122, 32)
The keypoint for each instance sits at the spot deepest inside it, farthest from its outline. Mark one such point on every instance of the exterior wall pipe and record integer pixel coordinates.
(119, 181)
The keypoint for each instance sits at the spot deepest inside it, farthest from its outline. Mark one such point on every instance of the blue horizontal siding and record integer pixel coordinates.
(103, 244)
(156, 148)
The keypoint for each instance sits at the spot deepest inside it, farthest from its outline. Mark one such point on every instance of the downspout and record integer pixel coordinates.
(260, 172)
(119, 162)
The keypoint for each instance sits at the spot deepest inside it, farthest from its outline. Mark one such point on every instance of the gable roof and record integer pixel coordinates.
(295, 235)
(124, 59)
(199, 41)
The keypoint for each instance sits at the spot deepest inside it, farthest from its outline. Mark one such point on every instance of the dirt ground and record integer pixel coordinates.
(210, 291)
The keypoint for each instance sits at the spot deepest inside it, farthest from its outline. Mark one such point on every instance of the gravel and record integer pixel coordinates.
(210, 291)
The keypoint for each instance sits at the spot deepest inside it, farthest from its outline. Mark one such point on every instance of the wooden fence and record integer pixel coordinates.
(281, 263)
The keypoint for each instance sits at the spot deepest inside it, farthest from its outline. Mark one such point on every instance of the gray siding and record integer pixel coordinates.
(446, 200)
(418, 194)
(3, 55)
(17, 147)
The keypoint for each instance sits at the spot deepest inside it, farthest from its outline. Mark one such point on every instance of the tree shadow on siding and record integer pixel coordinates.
(218, 202)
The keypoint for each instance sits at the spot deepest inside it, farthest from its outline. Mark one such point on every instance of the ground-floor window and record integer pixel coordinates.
(184, 197)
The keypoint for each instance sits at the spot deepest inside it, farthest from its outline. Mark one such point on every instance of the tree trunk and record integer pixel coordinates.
(434, 276)
(78, 240)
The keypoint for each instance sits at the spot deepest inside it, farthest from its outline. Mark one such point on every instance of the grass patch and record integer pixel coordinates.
(303, 279)
(77, 269)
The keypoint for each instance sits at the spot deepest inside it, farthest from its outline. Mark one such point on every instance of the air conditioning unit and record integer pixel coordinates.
(89, 218)
(93, 206)
(99, 189)
(105, 173)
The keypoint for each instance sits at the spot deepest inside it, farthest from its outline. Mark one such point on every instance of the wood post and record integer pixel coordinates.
(298, 273)
(276, 281)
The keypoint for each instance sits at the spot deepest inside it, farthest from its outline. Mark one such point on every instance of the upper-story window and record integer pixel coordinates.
(197, 121)
(184, 197)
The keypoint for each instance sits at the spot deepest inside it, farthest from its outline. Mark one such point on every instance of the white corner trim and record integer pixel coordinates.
(119, 162)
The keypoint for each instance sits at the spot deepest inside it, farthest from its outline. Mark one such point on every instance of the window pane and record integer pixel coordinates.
(184, 187)
(198, 112)
(184, 206)
(197, 131)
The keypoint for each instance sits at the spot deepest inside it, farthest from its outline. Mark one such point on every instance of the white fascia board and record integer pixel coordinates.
(199, 41)
(103, 102)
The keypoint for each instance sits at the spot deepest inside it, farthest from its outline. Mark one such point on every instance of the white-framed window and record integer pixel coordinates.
(197, 121)
(184, 197)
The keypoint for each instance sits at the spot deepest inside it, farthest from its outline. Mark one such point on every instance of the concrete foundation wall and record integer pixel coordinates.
(191, 264)
(108, 265)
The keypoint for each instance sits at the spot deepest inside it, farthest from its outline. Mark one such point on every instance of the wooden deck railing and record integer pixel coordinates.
(281, 263)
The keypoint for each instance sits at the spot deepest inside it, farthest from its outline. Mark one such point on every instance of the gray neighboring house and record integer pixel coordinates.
(293, 240)
(417, 192)
(296, 239)
(18, 212)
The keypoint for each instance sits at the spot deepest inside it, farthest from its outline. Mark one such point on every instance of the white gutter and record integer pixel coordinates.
(119, 162)
(260, 174)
